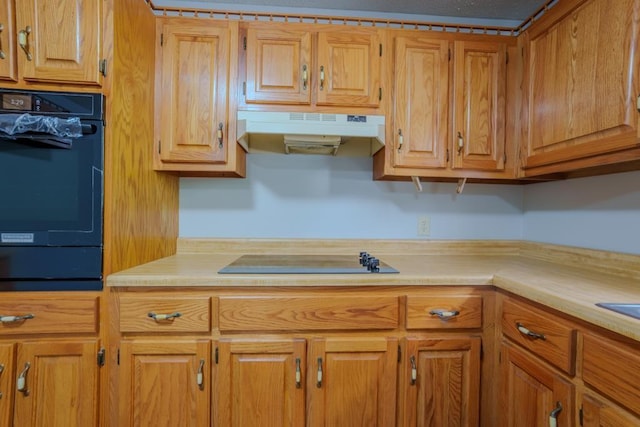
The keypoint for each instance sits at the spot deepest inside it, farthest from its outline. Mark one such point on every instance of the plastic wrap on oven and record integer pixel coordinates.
(15, 124)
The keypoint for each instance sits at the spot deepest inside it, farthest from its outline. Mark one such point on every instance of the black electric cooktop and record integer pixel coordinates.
(307, 264)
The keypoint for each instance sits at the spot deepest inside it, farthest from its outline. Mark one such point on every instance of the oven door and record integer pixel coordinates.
(51, 194)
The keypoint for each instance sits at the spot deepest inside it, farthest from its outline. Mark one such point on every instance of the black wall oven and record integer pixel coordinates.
(51, 190)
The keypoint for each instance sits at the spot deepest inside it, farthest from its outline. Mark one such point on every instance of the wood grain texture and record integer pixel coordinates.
(51, 315)
(7, 363)
(468, 306)
(195, 313)
(613, 369)
(559, 344)
(307, 313)
(598, 413)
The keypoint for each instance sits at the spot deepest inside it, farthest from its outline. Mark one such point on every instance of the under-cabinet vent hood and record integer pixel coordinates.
(310, 133)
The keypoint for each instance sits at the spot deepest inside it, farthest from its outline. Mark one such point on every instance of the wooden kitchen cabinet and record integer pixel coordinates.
(196, 67)
(580, 87)
(57, 42)
(260, 382)
(598, 412)
(449, 105)
(51, 361)
(165, 383)
(291, 64)
(439, 382)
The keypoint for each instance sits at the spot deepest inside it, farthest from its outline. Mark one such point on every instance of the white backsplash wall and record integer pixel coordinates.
(299, 196)
(596, 212)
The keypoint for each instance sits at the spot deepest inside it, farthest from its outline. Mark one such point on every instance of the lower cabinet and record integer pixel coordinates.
(165, 383)
(439, 382)
(597, 412)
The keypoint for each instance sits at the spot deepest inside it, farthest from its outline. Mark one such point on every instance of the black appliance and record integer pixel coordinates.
(51, 190)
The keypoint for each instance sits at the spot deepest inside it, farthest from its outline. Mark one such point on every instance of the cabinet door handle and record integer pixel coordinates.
(14, 319)
(200, 375)
(319, 377)
(400, 139)
(22, 380)
(298, 374)
(460, 143)
(529, 333)
(553, 415)
(2, 55)
(305, 77)
(158, 317)
(321, 77)
(220, 135)
(444, 314)
(23, 41)
(414, 370)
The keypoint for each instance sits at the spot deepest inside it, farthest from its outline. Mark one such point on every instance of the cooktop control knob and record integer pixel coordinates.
(364, 258)
(373, 265)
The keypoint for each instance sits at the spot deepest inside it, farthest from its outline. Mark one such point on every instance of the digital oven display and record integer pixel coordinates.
(17, 101)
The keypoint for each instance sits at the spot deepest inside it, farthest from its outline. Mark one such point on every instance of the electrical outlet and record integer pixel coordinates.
(424, 225)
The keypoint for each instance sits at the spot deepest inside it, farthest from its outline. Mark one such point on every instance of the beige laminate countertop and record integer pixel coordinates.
(567, 279)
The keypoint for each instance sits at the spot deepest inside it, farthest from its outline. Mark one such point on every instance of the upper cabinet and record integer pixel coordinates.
(44, 41)
(195, 130)
(449, 107)
(580, 87)
(289, 64)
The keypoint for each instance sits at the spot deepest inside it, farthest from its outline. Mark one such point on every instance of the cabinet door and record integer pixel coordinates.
(59, 384)
(165, 383)
(531, 391)
(64, 40)
(8, 70)
(260, 383)
(597, 413)
(582, 84)
(440, 382)
(352, 382)
(421, 103)
(6, 383)
(193, 94)
(348, 69)
(278, 66)
(479, 103)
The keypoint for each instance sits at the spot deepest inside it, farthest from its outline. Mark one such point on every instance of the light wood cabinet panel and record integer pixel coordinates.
(581, 84)
(260, 382)
(60, 384)
(7, 357)
(440, 382)
(64, 40)
(355, 381)
(165, 383)
(50, 315)
(596, 412)
(457, 312)
(8, 65)
(278, 66)
(531, 391)
(172, 314)
(194, 70)
(420, 125)
(479, 105)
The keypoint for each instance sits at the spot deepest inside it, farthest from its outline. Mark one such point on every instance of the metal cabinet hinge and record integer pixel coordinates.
(399, 354)
(101, 356)
(159, 146)
(507, 57)
(216, 358)
(161, 39)
(449, 50)
(244, 43)
(103, 67)
(118, 358)
(505, 158)
(380, 94)
(244, 88)
(581, 415)
(380, 49)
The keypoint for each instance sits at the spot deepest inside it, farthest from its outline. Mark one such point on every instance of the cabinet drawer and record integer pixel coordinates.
(325, 312)
(50, 316)
(165, 313)
(613, 369)
(457, 312)
(549, 337)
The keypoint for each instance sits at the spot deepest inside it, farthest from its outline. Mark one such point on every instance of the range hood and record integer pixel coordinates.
(310, 133)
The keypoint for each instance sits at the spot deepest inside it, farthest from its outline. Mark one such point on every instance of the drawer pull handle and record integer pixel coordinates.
(158, 317)
(414, 370)
(319, 377)
(200, 375)
(220, 135)
(298, 374)
(528, 333)
(22, 380)
(444, 314)
(13, 319)
(553, 415)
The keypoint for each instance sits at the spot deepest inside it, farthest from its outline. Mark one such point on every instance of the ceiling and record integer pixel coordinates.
(511, 12)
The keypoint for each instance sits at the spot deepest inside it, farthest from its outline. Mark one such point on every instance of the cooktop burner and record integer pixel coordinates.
(307, 264)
